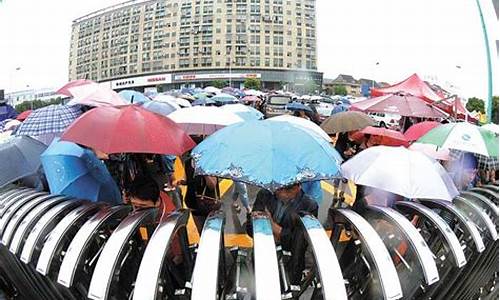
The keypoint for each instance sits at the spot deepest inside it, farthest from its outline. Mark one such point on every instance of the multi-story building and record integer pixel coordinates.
(177, 43)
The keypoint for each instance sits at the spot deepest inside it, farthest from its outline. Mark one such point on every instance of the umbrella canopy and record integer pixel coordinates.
(383, 136)
(128, 129)
(65, 89)
(403, 105)
(22, 116)
(74, 171)
(267, 154)
(250, 99)
(247, 113)
(133, 96)
(346, 121)
(463, 136)
(19, 157)
(212, 89)
(416, 131)
(297, 106)
(222, 99)
(203, 102)
(49, 120)
(173, 100)
(253, 93)
(339, 107)
(431, 151)
(9, 125)
(302, 123)
(398, 170)
(7, 111)
(492, 127)
(162, 108)
(204, 120)
(200, 96)
(95, 95)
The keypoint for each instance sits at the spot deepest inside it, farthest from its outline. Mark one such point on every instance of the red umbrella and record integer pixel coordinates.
(22, 116)
(403, 105)
(382, 136)
(418, 130)
(128, 129)
(64, 90)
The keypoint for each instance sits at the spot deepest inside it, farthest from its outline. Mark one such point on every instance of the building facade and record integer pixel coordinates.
(43, 94)
(174, 43)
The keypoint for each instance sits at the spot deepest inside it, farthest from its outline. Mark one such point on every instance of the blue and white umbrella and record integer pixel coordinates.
(267, 154)
(133, 97)
(74, 171)
(222, 99)
(49, 121)
(297, 106)
(162, 108)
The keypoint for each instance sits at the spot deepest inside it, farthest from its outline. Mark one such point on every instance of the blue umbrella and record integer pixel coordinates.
(222, 99)
(162, 108)
(133, 97)
(203, 102)
(19, 157)
(189, 91)
(339, 107)
(267, 154)
(74, 171)
(245, 112)
(297, 106)
(52, 119)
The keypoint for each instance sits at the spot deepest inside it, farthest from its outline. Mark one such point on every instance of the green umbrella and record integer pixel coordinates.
(200, 96)
(463, 136)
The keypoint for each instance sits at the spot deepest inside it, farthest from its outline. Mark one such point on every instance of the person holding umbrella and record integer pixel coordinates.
(283, 208)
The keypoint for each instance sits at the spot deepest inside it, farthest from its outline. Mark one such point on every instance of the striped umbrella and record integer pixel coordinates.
(463, 136)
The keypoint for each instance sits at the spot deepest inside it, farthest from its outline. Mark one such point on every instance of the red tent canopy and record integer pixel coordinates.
(412, 85)
(415, 86)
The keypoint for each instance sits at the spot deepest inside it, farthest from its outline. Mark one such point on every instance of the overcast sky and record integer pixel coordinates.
(429, 37)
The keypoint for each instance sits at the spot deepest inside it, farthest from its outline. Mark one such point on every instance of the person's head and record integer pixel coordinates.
(288, 193)
(143, 192)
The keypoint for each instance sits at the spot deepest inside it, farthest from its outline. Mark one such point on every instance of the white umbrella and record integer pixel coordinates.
(212, 89)
(431, 151)
(492, 127)
(304, 124)
(172, 100)
(398, 170)
(203, 120)
(253, 93)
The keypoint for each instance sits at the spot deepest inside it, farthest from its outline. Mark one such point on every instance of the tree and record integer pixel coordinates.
(475, 104)
(218, 83)
(340, 90)
(35, 104)
(310, 86)
(494, 111)
(252, 83)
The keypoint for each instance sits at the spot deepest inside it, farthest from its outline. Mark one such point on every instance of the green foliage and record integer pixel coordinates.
(310, 86)
(252, 83)
(340, 90)
(218, 83)
(475, 104)
(494, 111)
(35, 104)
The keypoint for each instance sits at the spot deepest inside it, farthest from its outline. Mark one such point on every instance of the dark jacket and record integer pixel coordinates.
(289, 221)
(292, 237)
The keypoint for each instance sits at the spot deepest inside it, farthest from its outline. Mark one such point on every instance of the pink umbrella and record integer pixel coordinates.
(95, 95)
(418, 130)
(403, 105)
(64, 90)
